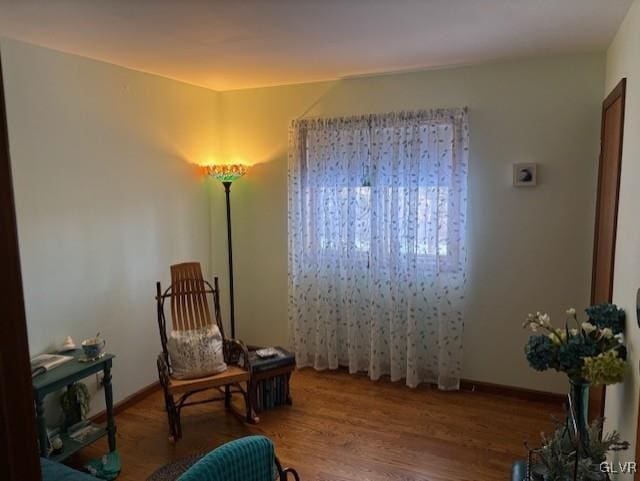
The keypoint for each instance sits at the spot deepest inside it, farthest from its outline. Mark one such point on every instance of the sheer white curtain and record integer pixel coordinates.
(377, 258)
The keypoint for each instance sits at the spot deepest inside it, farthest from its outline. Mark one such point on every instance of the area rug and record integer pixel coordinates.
(172, 471)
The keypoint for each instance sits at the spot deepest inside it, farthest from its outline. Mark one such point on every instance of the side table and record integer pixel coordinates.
(64, 376)
(270, 377)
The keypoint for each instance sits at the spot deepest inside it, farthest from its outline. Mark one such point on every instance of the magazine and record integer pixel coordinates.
(45, 362)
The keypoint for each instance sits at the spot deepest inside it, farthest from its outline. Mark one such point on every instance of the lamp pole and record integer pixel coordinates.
(227, 191)
(227, 173)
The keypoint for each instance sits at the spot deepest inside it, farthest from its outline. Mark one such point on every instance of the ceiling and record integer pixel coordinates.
(250, 43)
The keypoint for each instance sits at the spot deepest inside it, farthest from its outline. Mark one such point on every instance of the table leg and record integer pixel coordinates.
(42, 428)
(108, 397)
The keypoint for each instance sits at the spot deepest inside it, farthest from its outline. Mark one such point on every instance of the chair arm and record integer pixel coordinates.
(283, 473)
(236, 352)
(294, 473)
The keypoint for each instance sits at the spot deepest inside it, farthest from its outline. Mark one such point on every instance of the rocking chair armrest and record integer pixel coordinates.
(237, 353)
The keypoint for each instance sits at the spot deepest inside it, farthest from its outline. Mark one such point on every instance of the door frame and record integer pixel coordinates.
(597, 395)
(18, 449)
(619, 92)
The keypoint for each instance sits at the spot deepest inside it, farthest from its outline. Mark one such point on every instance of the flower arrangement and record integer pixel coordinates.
(593, 351)
(561, 457)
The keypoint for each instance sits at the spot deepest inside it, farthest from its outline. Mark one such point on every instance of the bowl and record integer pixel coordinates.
(93, 347)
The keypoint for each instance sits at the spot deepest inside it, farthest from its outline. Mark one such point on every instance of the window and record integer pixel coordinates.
(429, 220)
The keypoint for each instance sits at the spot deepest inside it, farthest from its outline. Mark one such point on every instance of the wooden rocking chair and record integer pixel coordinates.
(190, 310)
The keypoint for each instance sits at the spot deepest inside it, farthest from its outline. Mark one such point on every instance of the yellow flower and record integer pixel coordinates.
(605, 368)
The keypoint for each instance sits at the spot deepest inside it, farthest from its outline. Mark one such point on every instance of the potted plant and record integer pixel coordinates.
(75, 403)
(590, 352)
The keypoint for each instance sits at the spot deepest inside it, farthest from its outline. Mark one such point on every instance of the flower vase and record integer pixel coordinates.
(580, 399)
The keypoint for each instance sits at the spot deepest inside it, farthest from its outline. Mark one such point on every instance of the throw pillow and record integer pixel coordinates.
(196, 353)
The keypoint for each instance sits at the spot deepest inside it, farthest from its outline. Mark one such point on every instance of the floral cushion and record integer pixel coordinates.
(196, 353)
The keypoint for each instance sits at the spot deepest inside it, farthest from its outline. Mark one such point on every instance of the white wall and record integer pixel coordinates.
(529, 248)
(623, 60)
(105, 197)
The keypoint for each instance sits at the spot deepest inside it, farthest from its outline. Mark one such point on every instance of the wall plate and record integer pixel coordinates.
(525, 174)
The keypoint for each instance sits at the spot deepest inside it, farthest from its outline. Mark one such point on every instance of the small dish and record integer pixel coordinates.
(91, 359)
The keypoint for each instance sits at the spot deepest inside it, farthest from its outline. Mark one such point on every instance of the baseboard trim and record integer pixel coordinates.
(129, 401)
(512, 391)
(465, 385)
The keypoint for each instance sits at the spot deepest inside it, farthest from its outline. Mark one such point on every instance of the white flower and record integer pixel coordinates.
(573, 332)
(588, 327)
(558, 337)
(619, 337)
(534, 327)
(571, 311)
(607, 333)
(530, 320)
(544, 320)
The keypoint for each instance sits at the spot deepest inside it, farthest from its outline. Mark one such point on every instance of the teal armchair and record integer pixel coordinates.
(246, 459)
(52, 471)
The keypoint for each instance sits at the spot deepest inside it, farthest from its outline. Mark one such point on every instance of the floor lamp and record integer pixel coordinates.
(227, 174)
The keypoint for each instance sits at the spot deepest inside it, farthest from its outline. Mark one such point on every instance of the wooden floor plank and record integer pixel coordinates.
(348, 428)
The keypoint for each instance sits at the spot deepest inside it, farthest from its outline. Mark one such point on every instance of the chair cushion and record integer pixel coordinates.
(232, 375)
(196, 353)
(251, 458)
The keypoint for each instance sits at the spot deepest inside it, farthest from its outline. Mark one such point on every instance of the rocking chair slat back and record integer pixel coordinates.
(189, 305)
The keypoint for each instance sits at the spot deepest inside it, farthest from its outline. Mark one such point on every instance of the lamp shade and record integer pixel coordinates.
(226, 172)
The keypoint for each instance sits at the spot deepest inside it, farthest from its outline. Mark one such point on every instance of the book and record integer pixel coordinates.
(270, 393)
(45, 362)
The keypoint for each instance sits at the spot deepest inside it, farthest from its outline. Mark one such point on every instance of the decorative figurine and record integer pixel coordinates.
(68, 344)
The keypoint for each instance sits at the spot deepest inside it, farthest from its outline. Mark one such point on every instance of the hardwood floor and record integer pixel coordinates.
(344, 427)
